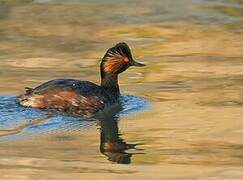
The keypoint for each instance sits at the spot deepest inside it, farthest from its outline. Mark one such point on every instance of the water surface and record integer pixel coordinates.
(185, 109)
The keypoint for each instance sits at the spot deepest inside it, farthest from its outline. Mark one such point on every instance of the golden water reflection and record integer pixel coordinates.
(193, 51)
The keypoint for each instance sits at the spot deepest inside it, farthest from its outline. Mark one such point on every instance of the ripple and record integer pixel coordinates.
(18, 122)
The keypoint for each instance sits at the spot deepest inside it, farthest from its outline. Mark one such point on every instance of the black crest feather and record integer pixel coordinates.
(119, 50)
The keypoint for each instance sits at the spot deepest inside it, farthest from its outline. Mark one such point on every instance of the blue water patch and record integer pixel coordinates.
(18, 122)
(132, 104)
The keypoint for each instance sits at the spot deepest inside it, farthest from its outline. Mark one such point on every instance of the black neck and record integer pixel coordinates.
(110, 83)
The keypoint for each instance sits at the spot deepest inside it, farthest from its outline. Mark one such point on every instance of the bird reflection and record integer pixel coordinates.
(111, 143)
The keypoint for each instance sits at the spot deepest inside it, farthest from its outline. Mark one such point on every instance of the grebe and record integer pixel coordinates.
(83, 97)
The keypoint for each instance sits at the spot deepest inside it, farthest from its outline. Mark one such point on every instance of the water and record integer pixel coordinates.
(183, 113)
(19, 122)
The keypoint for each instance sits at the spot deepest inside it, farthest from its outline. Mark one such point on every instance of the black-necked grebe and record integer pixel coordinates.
(83, 97)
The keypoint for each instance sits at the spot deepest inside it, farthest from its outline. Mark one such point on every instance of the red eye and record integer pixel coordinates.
(126, 59)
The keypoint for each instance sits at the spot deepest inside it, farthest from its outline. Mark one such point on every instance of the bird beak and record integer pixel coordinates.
(138, 64)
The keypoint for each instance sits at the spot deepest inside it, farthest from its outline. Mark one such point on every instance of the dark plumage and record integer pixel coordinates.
(83, 97)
